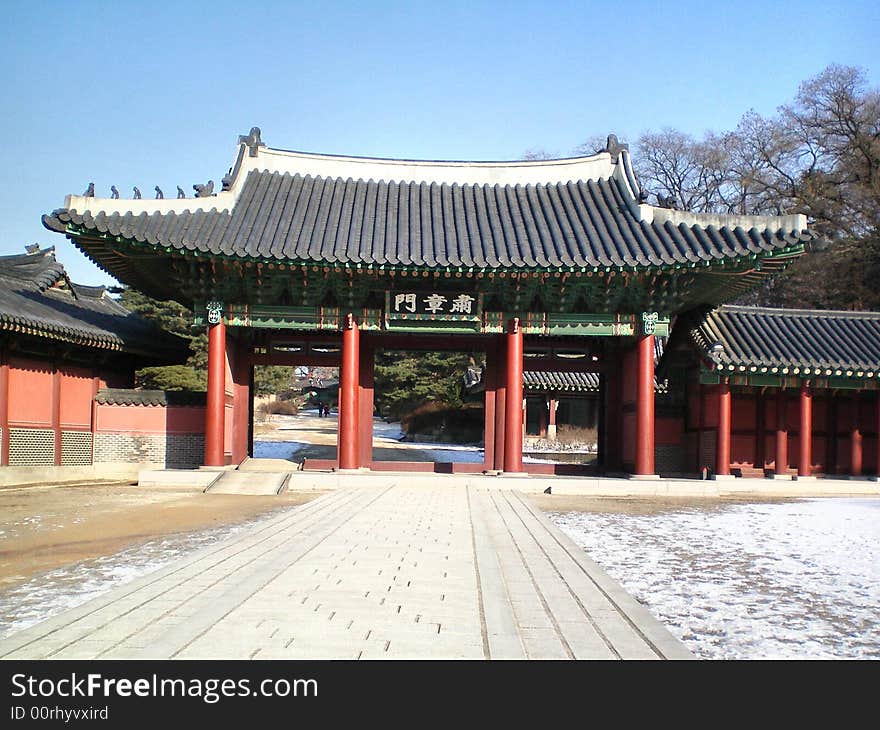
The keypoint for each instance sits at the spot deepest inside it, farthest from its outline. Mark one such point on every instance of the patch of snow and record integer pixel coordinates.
(56, 591)
(796, 579)
(277, 449)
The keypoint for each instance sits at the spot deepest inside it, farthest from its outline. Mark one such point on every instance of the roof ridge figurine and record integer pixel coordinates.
(90, 191)
(204, 191)
(114, 193)
(137, 193)
(180, 193)
(252, 141)
(159, 194)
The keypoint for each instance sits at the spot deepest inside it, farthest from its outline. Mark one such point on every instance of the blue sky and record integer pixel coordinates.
(145, 93)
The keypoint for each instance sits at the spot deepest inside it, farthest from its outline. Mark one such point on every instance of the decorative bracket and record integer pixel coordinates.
(215, 312)
(649, 322)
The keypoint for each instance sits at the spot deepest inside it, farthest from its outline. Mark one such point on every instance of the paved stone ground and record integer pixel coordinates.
(404, 570)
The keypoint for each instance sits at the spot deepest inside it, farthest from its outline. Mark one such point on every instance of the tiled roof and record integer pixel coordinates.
(558, 214)
(790, 341)
(129, 397)
(37, 298)
(561, 381)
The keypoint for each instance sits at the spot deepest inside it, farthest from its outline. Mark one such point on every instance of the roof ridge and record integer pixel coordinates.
(754, 309)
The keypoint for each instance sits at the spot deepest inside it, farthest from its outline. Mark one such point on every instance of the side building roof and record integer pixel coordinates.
(562, 382)
(38, 299)
(798, 342)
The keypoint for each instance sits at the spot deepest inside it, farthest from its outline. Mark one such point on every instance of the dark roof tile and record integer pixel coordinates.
(315, 219)
(37, 299)
(785, 340)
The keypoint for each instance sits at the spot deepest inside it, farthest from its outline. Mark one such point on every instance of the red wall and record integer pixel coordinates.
(30, 393)
(77, 391)
(827, 426)
(149, 419)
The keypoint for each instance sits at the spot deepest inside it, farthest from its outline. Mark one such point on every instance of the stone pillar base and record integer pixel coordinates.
(723, 477)
(643, 477)
(551, 432)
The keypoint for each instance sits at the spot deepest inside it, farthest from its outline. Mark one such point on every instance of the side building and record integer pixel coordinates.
(777, 392)
(62, 346)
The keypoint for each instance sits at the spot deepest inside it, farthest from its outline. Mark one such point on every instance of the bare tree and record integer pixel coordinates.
(819, 155)
(538, 153)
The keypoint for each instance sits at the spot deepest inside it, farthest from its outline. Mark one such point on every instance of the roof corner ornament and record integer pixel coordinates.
(114, 193)
(204, 191)
(649, 322)
(32, 249)
(716, 349)
(159, 194)
(90, 191)
(137, 193)
(667, 201)
(252, 141)
(215, 311)
(180, 193)
(226, 182)
(613, 147)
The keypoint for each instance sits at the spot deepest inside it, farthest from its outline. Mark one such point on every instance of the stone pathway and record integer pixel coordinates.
(406, 570)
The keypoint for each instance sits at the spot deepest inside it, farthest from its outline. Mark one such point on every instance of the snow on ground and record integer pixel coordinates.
(797, 579)
(277, 449)
(56, 591)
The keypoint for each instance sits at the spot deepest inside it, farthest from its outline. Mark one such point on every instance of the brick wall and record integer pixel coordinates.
(166, 436)
(167, 450)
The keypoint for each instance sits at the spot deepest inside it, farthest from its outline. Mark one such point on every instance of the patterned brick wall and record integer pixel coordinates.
(172, 451)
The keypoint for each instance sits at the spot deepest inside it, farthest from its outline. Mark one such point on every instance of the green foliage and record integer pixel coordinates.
(177, 319)
(272, 379)
(406, 380)
(451, 424)
(171, 377)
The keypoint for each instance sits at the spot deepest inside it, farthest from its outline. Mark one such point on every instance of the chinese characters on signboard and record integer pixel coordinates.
(433, 303)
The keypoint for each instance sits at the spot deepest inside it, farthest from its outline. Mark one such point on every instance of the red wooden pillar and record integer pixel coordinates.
(56, 411)
(4, 410)
(513, 438)
(348, 396)
(877, 451)
(241, 400)
(365, 403)
(831, 417)
(722, 453)
(805, 437)
(500, 402)
(855, 458)
(215, 407)
(760, 430)
(490, 376)
(552, 428)
(781, 456)
(645, 406)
